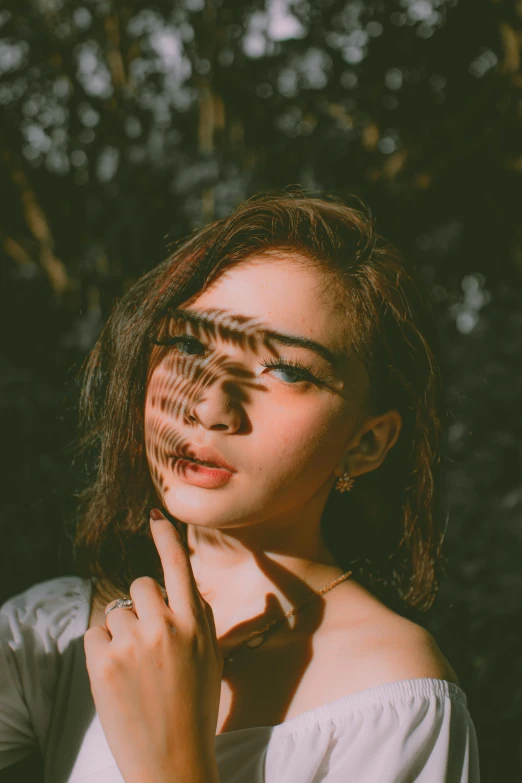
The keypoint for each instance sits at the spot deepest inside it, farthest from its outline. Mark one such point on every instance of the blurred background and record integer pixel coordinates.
(126, 124)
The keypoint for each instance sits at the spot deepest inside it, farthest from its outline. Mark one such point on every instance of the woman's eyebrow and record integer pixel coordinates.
(304, 342)
(293, 340)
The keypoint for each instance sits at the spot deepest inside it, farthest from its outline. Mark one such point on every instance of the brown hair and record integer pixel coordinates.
(389, 529)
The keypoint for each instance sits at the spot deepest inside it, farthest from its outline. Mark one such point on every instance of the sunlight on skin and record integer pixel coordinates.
(287, 439)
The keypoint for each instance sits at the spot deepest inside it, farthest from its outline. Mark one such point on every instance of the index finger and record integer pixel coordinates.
(180, 584)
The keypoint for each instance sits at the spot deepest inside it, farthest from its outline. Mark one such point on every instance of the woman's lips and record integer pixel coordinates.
(202, 475)
(197, 453)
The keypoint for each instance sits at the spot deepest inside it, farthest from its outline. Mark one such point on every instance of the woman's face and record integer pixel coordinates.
(282, 430)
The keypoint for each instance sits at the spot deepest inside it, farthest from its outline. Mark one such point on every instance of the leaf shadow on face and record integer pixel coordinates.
(176, 384)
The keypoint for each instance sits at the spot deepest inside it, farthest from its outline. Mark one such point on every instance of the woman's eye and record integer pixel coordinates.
(295, 375)
(191, 342)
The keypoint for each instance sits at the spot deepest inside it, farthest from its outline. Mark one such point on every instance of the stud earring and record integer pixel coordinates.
(344, 483)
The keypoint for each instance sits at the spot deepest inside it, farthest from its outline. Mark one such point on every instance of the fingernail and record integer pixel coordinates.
(155, 514)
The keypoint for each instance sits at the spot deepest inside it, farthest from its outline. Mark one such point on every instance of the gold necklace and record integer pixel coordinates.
(256, 638)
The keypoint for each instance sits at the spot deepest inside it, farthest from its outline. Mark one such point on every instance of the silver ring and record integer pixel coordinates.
(121, 603)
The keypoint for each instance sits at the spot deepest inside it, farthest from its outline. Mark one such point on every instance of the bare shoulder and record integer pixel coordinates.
(408, 652)
(382, 647)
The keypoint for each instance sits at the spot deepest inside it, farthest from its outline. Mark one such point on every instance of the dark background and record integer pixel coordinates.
(127, 124)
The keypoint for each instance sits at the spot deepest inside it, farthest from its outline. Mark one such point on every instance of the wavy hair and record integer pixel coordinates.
(390, 528)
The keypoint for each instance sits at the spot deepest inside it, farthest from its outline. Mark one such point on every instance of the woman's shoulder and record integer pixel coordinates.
(401, 650)
(381, 689)
(369, 645)
(40, 628)
(54, 609)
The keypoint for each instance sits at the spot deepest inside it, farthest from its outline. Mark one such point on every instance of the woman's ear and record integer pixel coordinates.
(376, 437)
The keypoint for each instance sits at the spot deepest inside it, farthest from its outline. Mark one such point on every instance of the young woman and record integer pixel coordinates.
(269, 398)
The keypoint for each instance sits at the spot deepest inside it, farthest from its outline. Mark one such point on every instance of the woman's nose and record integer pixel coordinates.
(217, 409)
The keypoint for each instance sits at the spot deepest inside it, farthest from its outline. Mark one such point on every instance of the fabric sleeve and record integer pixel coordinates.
(418, 731)
(34, 626)
(17, 737)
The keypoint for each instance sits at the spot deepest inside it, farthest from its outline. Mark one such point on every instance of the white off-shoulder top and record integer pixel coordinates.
(410, 730)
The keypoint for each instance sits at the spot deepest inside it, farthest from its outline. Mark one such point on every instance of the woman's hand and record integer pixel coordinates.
(156, 674)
